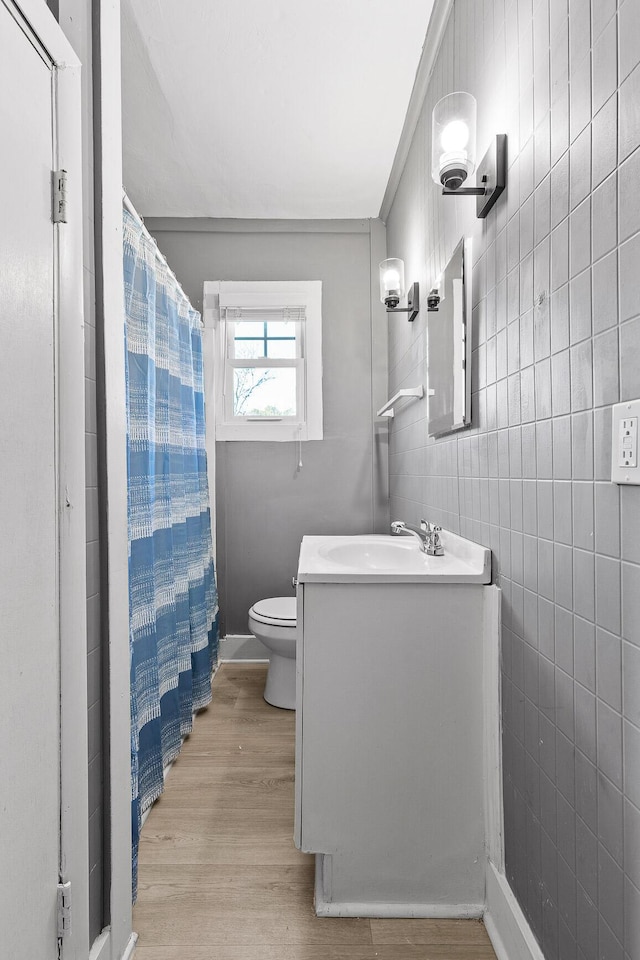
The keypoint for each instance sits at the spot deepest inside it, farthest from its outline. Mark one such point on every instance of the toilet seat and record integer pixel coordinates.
(277, 611)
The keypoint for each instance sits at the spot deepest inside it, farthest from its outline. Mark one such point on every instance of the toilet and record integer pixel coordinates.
(273, 621)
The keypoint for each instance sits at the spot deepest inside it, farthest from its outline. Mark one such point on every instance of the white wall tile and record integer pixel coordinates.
(580, 306)
(629, 114)
(605, 65)
(628, 185)
(604, 141)
(629, 34)
(630, 360)
(606, 387)
(601, 13)
(605, 293)
(580, 238)
(557, 342)
(604, 209)
(580, 97)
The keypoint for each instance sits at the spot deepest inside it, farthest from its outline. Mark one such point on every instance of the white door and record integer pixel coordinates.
(29, 631)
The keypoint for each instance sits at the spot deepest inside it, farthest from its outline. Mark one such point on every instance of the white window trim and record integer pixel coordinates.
(293, 293)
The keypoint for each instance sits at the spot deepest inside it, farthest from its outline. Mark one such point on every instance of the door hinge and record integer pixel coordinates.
(64, 909)
(59, 196)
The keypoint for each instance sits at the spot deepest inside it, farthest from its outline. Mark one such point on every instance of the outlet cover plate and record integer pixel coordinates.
(625, 423)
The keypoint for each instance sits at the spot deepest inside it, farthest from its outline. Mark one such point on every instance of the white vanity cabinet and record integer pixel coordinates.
(390, 739)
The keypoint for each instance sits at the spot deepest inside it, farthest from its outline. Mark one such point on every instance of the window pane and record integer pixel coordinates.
(282, 339)
(253, 339)
(264, 392)
(249, 328)
(277, 328)
(248, 349)
(281, 349)
(249, 340)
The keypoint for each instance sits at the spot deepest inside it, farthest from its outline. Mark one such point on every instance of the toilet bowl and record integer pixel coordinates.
(273, 621)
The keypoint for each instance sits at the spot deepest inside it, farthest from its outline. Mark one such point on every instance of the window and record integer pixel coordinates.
(268, 379)
(265, 365)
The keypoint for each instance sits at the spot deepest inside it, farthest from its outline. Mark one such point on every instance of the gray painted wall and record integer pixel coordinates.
(556, 342)
(263, 506)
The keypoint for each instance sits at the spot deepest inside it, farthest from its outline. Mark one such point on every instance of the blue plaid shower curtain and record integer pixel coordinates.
(172, 590)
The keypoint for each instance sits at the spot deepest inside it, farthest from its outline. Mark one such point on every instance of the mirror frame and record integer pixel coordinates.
(437, 428)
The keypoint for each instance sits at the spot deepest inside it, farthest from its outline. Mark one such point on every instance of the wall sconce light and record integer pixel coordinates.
(392, 289)
(433, 300)
(453, 153)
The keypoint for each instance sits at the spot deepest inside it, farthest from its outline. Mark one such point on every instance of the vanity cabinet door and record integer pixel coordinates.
(389, 764)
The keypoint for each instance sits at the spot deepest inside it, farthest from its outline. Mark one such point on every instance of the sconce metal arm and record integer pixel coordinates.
(464, 192)
(492, 172)
(413, 303)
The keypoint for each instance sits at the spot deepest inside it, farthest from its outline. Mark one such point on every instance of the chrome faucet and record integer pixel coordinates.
(428, 536)
(422, 535)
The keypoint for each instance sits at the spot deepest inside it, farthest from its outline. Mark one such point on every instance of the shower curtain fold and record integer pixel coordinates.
(172, 590)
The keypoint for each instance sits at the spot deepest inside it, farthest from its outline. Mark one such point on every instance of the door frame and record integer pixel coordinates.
(117, 941)
(70, 447)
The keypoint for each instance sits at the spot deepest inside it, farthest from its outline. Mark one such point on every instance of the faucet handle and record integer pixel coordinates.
(435, 547)
(425, 526)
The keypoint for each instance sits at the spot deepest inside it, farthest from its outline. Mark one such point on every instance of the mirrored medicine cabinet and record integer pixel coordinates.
(449, 347)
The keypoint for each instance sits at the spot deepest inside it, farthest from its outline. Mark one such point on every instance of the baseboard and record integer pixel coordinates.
(410, 911)
(506, 924)
(130, 947)
(388, 910)
(101, 946)
(239, 647)
(413, 911)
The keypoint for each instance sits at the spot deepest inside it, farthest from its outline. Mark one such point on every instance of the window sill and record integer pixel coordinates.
(278, 432)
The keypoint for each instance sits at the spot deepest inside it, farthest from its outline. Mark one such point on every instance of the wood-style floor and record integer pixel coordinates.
(220, 878)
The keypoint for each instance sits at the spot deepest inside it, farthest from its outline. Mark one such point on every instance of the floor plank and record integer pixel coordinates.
(299, 951)
(306, 951)
(219, 875)
(429, 932)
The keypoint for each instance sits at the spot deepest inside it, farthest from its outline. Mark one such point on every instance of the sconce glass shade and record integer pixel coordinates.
(391, 282)
(453, 139)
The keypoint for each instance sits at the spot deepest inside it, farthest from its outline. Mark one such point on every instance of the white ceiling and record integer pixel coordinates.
(265, 108)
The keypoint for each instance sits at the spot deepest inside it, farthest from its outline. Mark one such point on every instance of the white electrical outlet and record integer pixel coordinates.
(624, 442)
(628, 442)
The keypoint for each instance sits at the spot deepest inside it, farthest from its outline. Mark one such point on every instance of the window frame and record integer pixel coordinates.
(220, 299)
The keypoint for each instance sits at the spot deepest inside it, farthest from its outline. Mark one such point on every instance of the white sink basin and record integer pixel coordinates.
(382, 559)
(373, 554)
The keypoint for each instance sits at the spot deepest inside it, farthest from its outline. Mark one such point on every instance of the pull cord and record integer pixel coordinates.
(299, 466)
